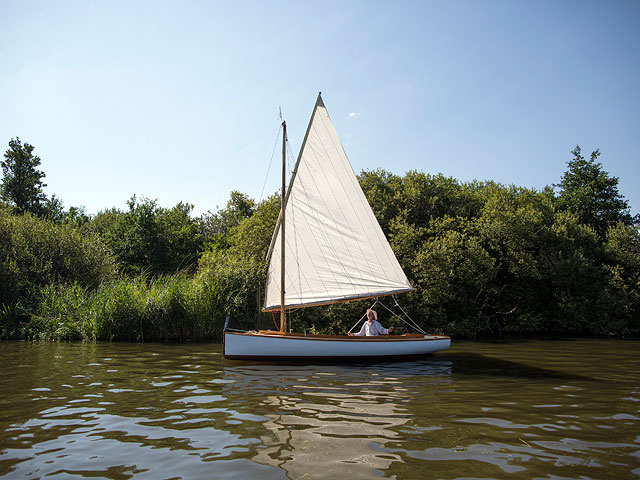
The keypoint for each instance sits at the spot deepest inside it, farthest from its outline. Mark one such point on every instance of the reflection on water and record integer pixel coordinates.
(535, 409)
(324, 421)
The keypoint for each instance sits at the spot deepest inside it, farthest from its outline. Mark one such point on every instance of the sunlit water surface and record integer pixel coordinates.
(565, 409)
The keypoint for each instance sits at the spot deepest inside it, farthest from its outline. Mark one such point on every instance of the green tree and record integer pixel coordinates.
(216, 226)
(76, 216)
(22, 182)
(587, 190)
(53, 209)
(383, 190)
(622, 267)
(149, 238)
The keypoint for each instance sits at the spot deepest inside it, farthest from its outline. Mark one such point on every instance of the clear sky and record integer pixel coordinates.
(178, 100)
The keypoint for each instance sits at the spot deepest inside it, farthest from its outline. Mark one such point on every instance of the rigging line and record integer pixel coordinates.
(293, 245)
(275, 145)
(412, 324)
(365, 314)
(395, 314)
(290, 157)
(407, 315)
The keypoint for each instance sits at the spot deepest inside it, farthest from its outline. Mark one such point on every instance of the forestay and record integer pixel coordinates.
(335, 249)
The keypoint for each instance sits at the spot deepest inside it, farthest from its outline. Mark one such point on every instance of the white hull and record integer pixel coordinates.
(277, 346)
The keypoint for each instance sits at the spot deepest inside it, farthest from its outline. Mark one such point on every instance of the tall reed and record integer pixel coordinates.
(165, 308)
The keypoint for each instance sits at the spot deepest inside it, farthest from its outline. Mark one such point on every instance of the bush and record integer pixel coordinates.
(150, 239)
(35, 253)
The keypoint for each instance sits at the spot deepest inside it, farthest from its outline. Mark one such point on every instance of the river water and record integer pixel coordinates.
(565, 409)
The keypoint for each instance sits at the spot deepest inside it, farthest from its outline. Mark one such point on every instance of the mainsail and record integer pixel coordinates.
(335, 249)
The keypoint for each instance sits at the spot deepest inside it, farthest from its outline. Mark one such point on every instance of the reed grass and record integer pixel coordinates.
(165, 308)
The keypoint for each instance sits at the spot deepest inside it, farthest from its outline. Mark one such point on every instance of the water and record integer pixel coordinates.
(565, 409)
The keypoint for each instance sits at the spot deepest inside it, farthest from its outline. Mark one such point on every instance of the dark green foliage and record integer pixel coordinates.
(21, 180)
(589, 192)
(35, 253)
(216, 226)
(485, 259)
(148, 238)
(76, 216)
(382, 189)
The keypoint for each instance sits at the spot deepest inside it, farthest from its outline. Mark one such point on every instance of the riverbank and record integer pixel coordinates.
(484, 258)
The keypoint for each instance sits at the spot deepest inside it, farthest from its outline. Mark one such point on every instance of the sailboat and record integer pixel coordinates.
(327, 248)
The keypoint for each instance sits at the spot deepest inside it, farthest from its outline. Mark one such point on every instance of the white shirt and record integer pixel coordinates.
(371, 329)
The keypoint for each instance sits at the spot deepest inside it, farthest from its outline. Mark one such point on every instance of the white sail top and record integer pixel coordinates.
(335, 248)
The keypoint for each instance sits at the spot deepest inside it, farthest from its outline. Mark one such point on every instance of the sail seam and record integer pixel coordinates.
(340, 151)
(322, 227)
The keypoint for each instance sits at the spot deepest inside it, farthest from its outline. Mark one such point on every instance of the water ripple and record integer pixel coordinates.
(527, 410)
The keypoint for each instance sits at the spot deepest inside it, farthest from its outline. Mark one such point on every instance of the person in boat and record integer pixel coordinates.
(372, 327)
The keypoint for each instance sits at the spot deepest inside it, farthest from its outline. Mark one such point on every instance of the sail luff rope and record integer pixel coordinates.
(294, 231)
(293, 176)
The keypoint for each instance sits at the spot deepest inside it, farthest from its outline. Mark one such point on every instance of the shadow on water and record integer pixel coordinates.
(475, 364)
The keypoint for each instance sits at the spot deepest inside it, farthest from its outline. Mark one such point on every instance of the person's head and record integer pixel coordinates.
(372, 315)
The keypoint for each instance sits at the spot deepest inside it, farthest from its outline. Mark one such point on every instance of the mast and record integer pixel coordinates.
(283, 318)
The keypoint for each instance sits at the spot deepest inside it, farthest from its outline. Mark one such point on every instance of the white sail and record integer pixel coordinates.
(335, 248)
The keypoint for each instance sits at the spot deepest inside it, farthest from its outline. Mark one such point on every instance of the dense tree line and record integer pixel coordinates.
(485, 258)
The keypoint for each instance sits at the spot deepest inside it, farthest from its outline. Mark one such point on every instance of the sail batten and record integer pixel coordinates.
(334, 246)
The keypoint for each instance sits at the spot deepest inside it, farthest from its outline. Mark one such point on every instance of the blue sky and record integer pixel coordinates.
(178, 101)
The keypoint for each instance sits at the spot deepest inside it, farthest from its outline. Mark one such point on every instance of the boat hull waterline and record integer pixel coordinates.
(240, 345)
